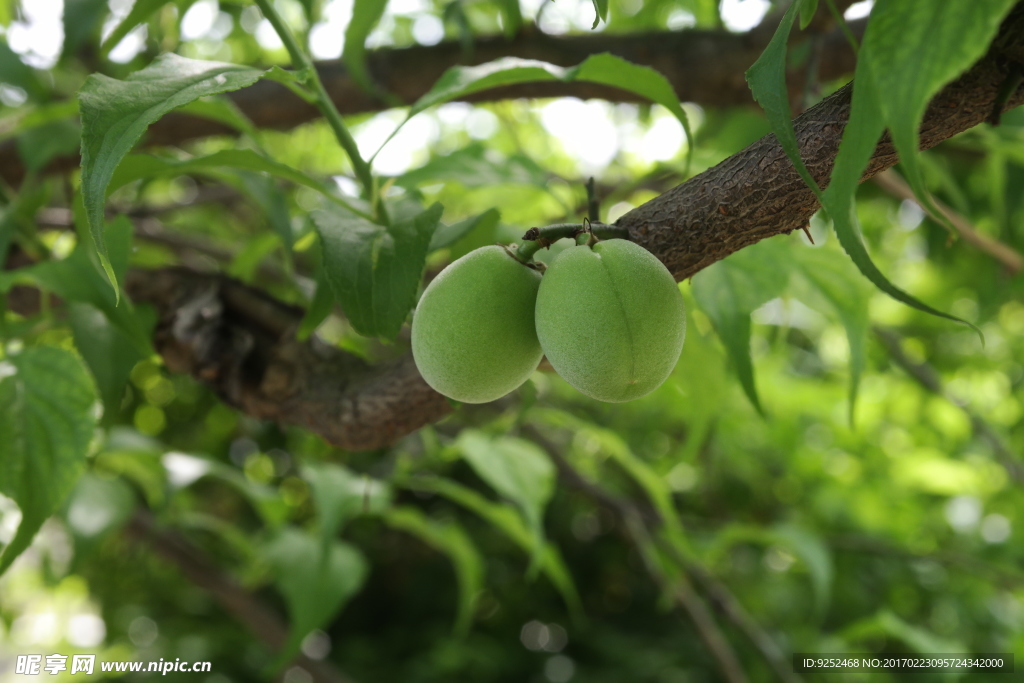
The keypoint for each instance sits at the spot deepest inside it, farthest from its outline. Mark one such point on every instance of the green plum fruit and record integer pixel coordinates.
(473, 336)
(610, 319)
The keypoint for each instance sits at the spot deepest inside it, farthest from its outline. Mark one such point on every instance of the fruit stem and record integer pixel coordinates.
(536, 238)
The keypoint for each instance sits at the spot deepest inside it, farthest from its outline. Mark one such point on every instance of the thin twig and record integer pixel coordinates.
(927, 377)
(639, 522)
(1006, 255)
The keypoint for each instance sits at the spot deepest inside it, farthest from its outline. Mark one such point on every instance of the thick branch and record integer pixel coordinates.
(757, 193)
(241, 342)
(706, 67)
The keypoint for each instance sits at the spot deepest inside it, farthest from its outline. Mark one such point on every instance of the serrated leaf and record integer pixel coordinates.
(47, 418)
(729, 291)
(833, 277)
(341, 494)
(446, 235)
(374, 271)
(604, 68)
(862, 133)
(518, 470)
(601, 12)
(767, 80)
(116, 113)
(365, 16)
(450, 538)
(315, 582)
(911, 49)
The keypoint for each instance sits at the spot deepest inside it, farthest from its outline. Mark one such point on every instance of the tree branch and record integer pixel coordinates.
(706, 67)
(757, 193)
(241, 342)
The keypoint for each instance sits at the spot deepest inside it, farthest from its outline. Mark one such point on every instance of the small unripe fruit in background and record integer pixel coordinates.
(611, 320)
(473, 336)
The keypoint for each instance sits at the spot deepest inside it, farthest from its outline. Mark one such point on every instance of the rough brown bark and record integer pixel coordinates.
(241, 342)
(706, 67)
(757, 193)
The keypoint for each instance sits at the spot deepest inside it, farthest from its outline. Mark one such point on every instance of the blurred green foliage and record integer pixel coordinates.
(888, 525)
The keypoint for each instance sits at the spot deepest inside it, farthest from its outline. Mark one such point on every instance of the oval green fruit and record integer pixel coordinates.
(473, 336)
(611, 320)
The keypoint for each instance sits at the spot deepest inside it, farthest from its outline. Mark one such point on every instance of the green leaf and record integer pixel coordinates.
(47, 417)
(505, 519)
(273, 204)
(365, 15)
(375, 271)
(340, 495)
(512, 17)
(862, 132)
(109, 352)
(450, 538)
(138, 166)
(729, 291)
(222, 110)
(601, 11)
(446, 235)
(835, 280)
(116, 113)
(315, 581)
(911, 49)
(603, 68)
(82, 20)
(518, 470)
(477, 166)
(807, 11)
(319, 308)
(18, 73)
(815, 555)
(38, 145)
(767, 79)
(140, 12)
(76, 279)
(885, 624)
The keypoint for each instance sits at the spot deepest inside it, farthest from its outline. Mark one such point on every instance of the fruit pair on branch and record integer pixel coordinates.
(606, 313)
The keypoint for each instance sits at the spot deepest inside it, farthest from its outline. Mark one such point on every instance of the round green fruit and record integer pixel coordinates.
(610, 319)
(473, 336)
